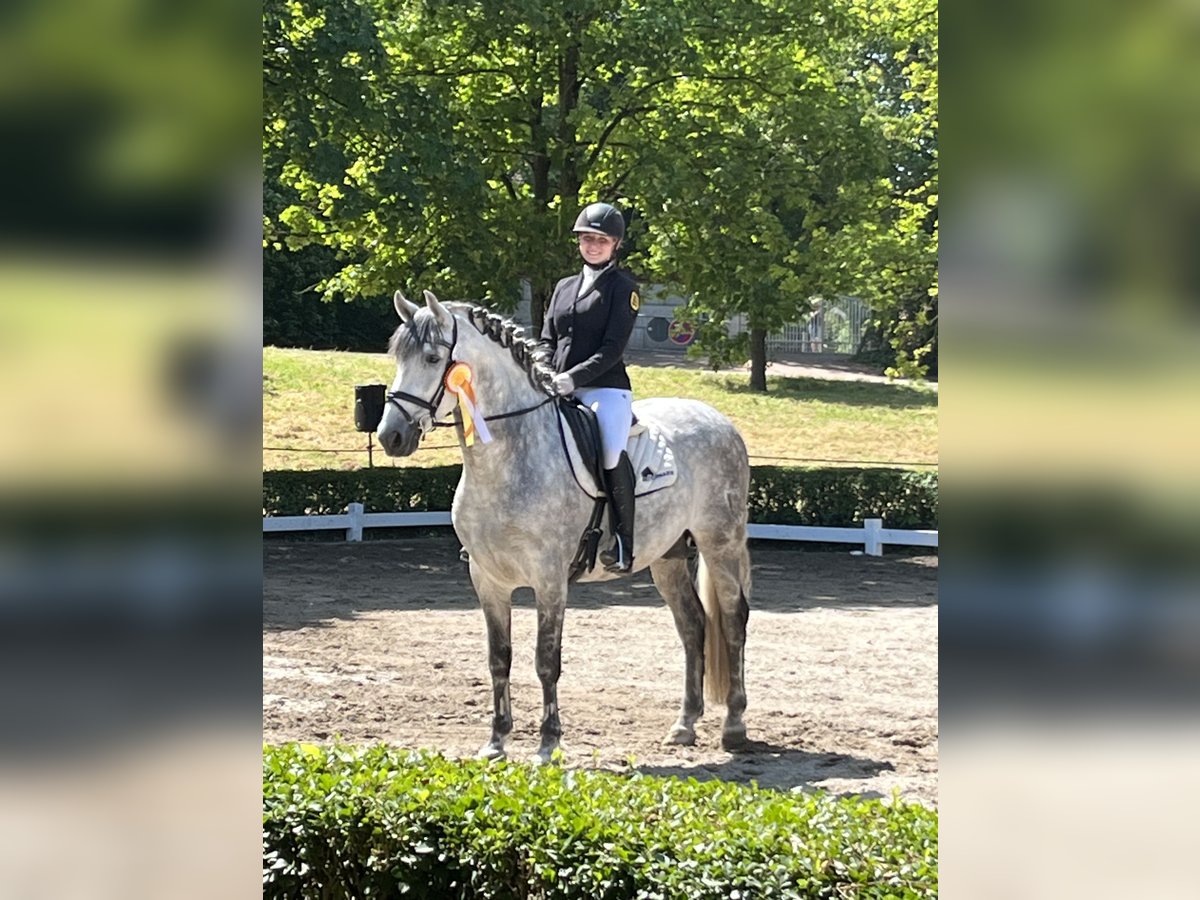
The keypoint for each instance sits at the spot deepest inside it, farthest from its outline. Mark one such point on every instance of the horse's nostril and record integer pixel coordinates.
(392, 442)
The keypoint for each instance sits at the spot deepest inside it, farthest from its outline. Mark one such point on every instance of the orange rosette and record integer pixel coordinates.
(460, 382)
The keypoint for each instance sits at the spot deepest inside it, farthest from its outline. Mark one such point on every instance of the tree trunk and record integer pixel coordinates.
(758, 360)
(539, 300)
(569, 83)
(539, 157)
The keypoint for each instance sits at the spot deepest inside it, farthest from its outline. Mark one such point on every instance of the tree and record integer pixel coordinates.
(449, 145)
(768, 142)
(889, 257)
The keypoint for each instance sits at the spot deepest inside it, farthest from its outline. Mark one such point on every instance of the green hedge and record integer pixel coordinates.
(324, 492)
(833, 496)
(379, 822)
(778, 495)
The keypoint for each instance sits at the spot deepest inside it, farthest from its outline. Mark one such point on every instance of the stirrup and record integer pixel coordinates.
(615, 559)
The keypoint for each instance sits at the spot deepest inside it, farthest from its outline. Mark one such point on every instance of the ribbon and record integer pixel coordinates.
(459, 382)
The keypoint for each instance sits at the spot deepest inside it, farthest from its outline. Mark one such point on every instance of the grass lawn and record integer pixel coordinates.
(308, 405)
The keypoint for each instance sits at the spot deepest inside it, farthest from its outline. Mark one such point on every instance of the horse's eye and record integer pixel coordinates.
(432, 358)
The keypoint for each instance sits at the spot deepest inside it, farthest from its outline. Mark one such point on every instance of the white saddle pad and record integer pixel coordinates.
(651, 455)
(652, 458)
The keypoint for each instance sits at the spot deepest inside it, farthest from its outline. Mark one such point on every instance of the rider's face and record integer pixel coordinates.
(596, 248)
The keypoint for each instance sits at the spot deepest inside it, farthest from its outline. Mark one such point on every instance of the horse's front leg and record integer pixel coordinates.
(496, 601)
(551, 608)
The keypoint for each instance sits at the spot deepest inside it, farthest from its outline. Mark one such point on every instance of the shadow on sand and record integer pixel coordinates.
(309, 584)
(779, 768)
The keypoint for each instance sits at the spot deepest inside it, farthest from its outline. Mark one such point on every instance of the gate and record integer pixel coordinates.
(835, 325)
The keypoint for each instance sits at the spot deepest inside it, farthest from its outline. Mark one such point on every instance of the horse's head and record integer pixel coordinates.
(422, 345)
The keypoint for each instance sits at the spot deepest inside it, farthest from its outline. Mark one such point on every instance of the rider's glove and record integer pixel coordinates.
(564, 384)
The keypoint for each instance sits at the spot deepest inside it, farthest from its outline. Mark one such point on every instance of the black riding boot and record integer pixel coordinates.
(619, 557)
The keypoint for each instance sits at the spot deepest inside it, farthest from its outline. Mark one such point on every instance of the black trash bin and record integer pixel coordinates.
(368, 405)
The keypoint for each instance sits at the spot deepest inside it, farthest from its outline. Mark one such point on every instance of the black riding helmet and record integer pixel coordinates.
(601, 218)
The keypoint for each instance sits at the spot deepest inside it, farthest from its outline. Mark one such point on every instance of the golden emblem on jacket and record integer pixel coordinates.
(635, 302)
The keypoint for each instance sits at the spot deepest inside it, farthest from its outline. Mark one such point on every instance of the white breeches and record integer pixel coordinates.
(614, 411)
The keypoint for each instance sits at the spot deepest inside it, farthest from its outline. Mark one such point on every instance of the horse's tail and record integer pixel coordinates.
(716, 653)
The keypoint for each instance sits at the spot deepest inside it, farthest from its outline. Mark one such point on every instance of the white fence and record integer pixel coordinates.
(871, 535)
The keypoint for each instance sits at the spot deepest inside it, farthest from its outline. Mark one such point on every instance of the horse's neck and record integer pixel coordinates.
(502, 386)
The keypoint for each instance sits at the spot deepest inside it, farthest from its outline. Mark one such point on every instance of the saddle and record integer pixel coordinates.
(648, 450)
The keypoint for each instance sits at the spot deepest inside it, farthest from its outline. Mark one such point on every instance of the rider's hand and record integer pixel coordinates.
(564, 384)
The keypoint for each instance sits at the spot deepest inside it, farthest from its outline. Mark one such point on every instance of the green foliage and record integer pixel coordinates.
(888, 255)
(328, 491)
(448, 146)
(776, 137)
(296, 315)
(778, 495)
(378, 822)
(843, 497)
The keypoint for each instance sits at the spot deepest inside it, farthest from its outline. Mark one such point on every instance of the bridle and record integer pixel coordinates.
(394, 397)
(432, 404)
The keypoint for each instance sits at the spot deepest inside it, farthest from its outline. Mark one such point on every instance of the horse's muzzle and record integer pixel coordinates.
(399, 442)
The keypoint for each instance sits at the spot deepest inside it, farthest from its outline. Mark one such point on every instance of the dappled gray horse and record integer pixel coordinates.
(519, 510)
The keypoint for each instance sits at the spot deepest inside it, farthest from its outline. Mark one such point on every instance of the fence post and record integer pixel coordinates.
(873, 541)
(354, 532)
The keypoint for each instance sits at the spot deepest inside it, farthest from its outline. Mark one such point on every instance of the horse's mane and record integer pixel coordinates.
(530, 355)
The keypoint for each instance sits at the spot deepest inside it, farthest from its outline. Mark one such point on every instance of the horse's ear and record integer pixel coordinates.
(440, 312)
(403, 307)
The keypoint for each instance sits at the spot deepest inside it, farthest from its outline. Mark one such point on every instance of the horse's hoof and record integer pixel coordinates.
(545, 756)
(491, 752)
(681, 736)
(734, 738)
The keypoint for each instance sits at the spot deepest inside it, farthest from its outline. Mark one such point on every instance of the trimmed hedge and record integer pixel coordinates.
(379, 822)
(835, 497)
(327, 492)
(778, 494)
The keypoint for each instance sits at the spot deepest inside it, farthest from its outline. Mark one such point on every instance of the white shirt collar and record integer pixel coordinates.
(589, 278)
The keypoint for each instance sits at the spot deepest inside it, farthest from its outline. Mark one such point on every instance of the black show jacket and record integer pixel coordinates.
(588, 334)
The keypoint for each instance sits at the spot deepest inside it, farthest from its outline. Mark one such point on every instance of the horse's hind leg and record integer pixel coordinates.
(723, 579)
(496, 601)
(674, 582)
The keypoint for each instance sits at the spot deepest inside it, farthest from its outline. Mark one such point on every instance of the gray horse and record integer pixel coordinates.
(520, 512)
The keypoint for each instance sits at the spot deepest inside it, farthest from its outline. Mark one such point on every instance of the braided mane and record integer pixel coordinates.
(526, 352)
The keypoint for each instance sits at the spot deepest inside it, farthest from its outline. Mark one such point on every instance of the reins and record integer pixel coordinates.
(517, 412)
(507, 415)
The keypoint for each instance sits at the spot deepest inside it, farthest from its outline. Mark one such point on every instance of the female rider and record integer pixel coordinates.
(587, 328)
